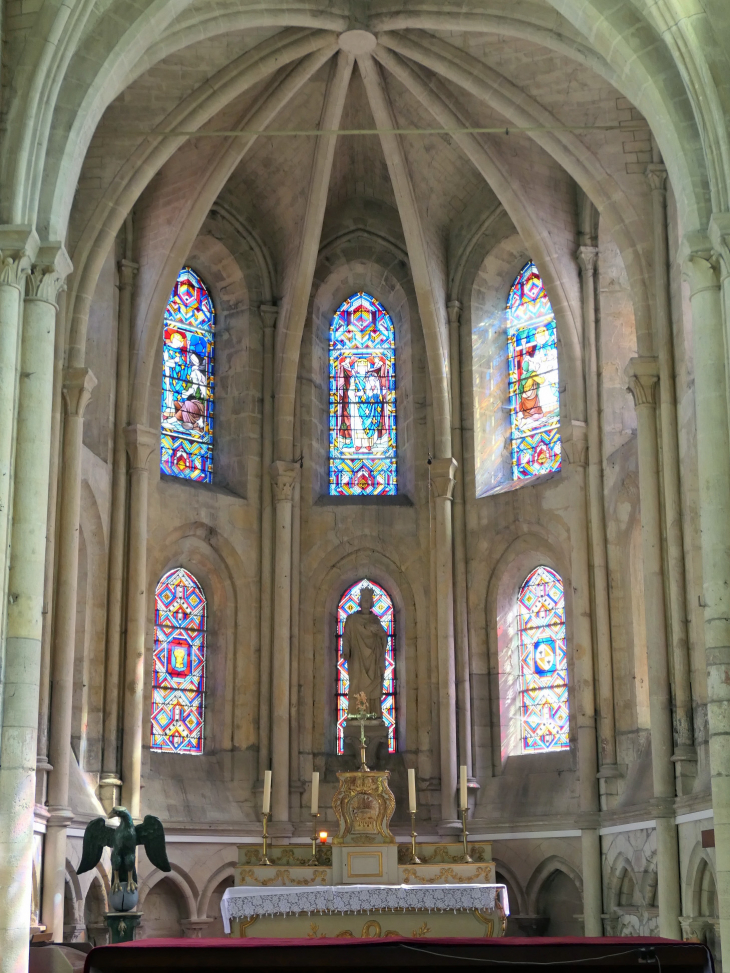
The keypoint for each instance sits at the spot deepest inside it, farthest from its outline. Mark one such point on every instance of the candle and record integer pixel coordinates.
(267, 792)
(411, 790)
(315, 791)
(464, 803)
(323, 837)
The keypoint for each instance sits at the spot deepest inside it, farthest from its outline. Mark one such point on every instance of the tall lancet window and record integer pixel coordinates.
(543, 665)
(186, 445)
(362, 399)
(533, 377)
(178, 675)
(383, 609)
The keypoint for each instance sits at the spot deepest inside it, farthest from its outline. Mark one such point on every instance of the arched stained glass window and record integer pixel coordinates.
(533, 377)
(186, 446)
(544, 707)
(178, 676)
(383, 608)
(362, 399)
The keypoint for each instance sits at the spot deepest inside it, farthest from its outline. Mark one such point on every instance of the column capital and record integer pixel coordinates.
(656, 174)
(15, 266)
(719, 232)
(78, 384)
(128, 270)
(700, 263)
(283, 479)
(643, 376)
(48, 274)
(454, 309)
(587, 257)
(269, 313)
(576, 447)
(140, 441)
(443, 477)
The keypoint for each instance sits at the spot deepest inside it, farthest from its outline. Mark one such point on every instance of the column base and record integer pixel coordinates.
(449, 827)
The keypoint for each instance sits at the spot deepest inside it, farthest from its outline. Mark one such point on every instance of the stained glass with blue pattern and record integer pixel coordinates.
(383, 608)
(188, 381)
(178, 675)
(362, 399)
(544, 707)
(533, 377)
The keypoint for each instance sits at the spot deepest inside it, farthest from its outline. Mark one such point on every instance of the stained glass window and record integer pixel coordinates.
(533, 377)
(383, 608)
(362, 399)
(178, 677)
(544, 706)
(186, 446)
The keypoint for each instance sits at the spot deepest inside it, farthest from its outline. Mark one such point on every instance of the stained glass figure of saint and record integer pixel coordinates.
(544, 707)
(362, 399)
(533, 377)
(186, 445)
(178, 675)
(383, 609)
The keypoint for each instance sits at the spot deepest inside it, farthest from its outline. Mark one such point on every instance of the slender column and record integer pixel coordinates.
(713, 459)
(77, 387)
(283, 478)
(269, 313)
(25, 607)
(657, 176)
(110, 783)
(643, 375)
(596, 514)
(461, 627)
(442, 479)
(141, 442)
(576, 451)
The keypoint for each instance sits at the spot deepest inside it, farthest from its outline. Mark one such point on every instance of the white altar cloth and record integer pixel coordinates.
(243, 901)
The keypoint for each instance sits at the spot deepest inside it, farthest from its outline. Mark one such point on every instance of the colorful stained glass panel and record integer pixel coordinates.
(188, 386)
(383, 608)
(544, 708)
(533, 377)
(178, 676)
(362, 399)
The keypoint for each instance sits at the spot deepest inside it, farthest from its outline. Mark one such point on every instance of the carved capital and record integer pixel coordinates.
(576, 448)
(48, 275)
(127, 272)
(443, 477)
(14, 268)
(78, 384)
(719, 231)
(587, 257)
(656, 174)
(141, 442)
(454, 309)
(700, 263)
(269, 313)
(283, 480)
(643, 376)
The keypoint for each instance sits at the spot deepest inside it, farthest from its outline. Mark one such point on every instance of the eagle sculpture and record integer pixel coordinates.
(123, 842)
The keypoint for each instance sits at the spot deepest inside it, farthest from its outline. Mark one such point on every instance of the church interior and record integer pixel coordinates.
(343, 329)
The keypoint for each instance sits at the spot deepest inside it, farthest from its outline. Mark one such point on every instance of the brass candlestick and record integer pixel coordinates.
(415, 860)
(313, 859)
(265, 816)
(464, 833)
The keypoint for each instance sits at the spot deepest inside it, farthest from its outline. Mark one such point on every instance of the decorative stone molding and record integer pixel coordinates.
(269, 313)
(140, 441)
(127, 272)
(700, 263)
(48, 274)
(656, 174)
(587, 257)
(719, 231)
(195, 928)
(443, 477)
(576, 448)
(283, 480)
(454, 309)
(14, 268)
(78, 384)
(643, 376)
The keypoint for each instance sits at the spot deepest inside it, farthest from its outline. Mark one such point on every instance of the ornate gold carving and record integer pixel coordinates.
(371, 930)
(364, 805)
(243, 925)
(423, 930)
(283, 877)
(440, 854)
(488, 920)
(446, 873)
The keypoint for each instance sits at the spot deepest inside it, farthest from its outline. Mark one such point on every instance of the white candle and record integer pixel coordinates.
(464, 803)
(315, 791)
(267, 792)
(411, 790)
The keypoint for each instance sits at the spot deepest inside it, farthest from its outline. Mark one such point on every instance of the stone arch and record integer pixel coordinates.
(622, 884)
(517, 896)
(179, 879)
(555, 889)
(228, 870)
(95, 905)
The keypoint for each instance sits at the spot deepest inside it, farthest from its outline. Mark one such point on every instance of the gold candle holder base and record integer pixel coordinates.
(264, 859)
(415, 860)
(465, 834)
(313, 859)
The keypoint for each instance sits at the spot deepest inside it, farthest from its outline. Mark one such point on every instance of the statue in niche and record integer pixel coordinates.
(364, 642)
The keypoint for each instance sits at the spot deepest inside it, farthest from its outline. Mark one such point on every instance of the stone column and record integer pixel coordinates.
(25, 605)
(702, 268)
(685, 755)
(442, 484)
(77, 387)
(643, 375)
(283, 478)
(141, 443)
(576, 451)
(110, 783)
(269, 314)
(596, 515)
